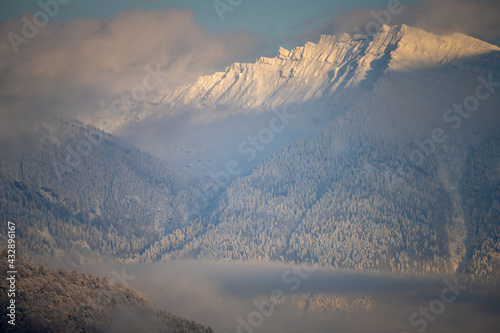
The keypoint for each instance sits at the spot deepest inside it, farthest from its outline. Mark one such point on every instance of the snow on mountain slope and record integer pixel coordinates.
(316, 71)
(402, 77)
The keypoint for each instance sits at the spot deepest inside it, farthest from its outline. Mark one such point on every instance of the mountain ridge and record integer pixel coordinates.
(336, 55)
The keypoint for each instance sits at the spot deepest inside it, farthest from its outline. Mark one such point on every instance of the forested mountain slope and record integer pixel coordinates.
(482, 201)
(355, 202)
(80, 193)
(337, 200)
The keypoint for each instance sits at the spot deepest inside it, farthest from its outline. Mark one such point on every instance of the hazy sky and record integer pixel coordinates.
(261, 16)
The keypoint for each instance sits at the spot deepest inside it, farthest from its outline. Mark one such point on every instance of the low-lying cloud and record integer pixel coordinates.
(217, 294)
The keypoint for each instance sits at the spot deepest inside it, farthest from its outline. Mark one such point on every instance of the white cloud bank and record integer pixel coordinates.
(77, 69)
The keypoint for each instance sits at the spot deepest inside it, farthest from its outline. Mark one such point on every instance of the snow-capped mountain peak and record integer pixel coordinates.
(318, 70)
(395, 83)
